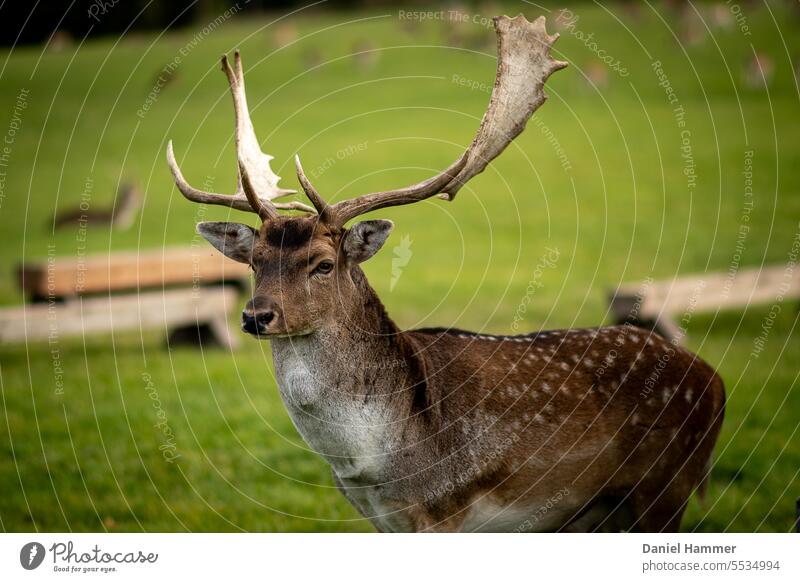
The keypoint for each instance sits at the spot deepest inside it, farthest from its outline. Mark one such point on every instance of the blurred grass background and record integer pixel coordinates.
(618, 211)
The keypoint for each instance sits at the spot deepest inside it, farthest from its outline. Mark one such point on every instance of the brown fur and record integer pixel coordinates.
(616, 423)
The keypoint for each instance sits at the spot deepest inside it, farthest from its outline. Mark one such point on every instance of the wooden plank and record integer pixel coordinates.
(71, 276)
(711, 291)
(147, 310)
(662, 301)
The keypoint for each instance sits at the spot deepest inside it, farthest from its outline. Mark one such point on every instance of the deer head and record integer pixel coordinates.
(305, 265)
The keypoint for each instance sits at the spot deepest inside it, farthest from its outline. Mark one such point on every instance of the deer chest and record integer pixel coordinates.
(347, 432)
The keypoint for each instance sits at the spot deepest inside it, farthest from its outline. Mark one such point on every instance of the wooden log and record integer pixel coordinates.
(74, 276)
(660, 303)
(167, 310)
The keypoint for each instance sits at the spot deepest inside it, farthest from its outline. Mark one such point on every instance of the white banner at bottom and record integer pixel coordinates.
(353, 557)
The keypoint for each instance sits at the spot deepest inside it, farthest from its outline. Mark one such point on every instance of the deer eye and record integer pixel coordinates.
(324, 268)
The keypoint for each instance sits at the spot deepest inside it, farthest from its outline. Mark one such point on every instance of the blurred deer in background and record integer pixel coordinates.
(120, 215)
(758, 71)
(365, 55)
(448, 430)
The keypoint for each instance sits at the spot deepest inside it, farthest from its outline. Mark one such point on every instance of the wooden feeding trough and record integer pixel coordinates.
(193, 294)
(663, 305)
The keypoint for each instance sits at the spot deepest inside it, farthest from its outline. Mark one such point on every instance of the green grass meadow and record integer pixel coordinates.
(598, 175)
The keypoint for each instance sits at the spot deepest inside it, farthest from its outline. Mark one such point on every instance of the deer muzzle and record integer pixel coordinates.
(261, 317)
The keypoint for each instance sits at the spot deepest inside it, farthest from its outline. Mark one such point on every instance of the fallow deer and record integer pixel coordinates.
(120, 215)
(609, 428)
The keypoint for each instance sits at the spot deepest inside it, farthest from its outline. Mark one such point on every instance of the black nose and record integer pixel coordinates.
(249, 324)
(256, 319)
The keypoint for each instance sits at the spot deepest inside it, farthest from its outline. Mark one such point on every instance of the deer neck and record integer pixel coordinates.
(346, 384)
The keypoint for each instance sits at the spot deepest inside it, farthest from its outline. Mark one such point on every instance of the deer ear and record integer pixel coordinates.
(232, 239)
(364, 239)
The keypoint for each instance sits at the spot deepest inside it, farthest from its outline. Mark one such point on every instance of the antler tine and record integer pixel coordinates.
(264, 210)
(319, 203)
(523, 65)
(237, 202)
(294, 205)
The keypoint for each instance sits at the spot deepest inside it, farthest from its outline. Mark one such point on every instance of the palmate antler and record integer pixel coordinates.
(523, 65)
(257, 184)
